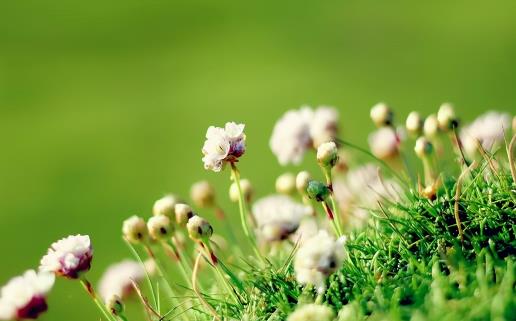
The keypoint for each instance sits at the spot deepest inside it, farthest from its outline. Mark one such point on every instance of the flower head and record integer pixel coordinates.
(223, 145)
(278, 216)
(301, 129)
(414, 123)
(165, 206)
(431, 126)
(317, 258)
(327, 154)
(199, 228)
(446, 117)
(302, 180)
(317, 190)
(247, 190)
(68, 257)
(24, 297)
(159, 227)
(135, 229)
(488, 129)
(312, 312)
(203, 194)
(381, 115)
(423, 147)
(286, 183)
(116, 280)
(183, 213)
(384, 143)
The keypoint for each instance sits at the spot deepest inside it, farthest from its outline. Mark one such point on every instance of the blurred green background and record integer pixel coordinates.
(104, 104)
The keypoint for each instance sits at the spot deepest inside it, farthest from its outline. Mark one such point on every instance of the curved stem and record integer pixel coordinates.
(91, 292)
(196, 289)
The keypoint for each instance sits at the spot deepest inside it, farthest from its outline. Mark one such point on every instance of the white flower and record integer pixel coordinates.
(362, 188)
(68, 257)
(414, 123)
(278, 216)
(488, 129)
(317, 258)
(24, 297)
(159, 227)
(384, 143)
(223, 145)
(203, 194)
(312, 312)
(134, 229)
(286, 183)
(431, 126)
(381, 115)
(116, 280)
(299, 130)
(324, 125)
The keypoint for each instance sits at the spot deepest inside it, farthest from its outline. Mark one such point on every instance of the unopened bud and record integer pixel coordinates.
(327, 154)
(446, 117)
(115, 305)
(247, 190)
(286, 183)
(431, 126)
(203, 194)
(165, 206)
(134, 229)
(183, 214)
(159, 227)
(199, 228)
(423, 147)
(318, 191)
(414, 123)
(381, 115)
(302, 180)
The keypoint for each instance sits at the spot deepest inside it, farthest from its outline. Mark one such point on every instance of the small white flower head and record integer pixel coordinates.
(423, 147)
(159, 227)
(199, 229)
(115, 305)
(247, 190)
(446, 117)
(278, 216)
(286, 183)
(223, 145)
(134, 229)
(298, 130)
(414, 123)
(312, 312)
(488, 130)
(431, 126)
(324, 125)
(116, 280)
(69, 257)
(384, 143)
(302, 180)
(317, 258)
(203, 194)
(327, 154)
(165, 206)
(291, 136)
(24, 297)
(381, 115)
(183, 213)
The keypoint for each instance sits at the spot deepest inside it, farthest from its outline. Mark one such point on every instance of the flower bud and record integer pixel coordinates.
(247, 190)
(327, 154)
(165, 206)
(381, 115)
(317, 190)
(431, 126)
(203, 194)
(414, 123)
(302, 180)
(286, 183)
(115, 305)
(159, 227)
(199, 228)
(423, 147)
(135, 229)
(446, 117)
(183, 214)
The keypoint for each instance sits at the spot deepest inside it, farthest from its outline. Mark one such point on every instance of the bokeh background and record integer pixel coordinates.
(104, 104)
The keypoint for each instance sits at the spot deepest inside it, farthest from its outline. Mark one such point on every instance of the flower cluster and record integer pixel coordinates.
(223, 145)
(69, 257)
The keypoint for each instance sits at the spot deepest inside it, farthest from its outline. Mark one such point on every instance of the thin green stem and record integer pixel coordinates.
(91, 292)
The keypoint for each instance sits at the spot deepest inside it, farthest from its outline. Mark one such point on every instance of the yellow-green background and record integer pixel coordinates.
(104, 104)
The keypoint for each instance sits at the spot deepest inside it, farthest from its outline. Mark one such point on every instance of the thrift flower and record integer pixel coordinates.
(286, 184)
(317, 258)
(414, 123)
(384, 143)
(431, 126)
(278, 216)
(324, 125)
(116, 280)
(165, 206)
(312, 312)
(199, 228)
(327, 154)
(446, 117)
(134, 229)
(203, 194)
(302, 180)
(381, 115)
(68, 257)
(159, 227)
(223, 145)
(183, 213)
(24, 297)
(488, 129)
(247, 190)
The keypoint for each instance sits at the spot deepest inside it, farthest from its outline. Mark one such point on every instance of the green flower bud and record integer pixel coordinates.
(115, 305)
(317, 190)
